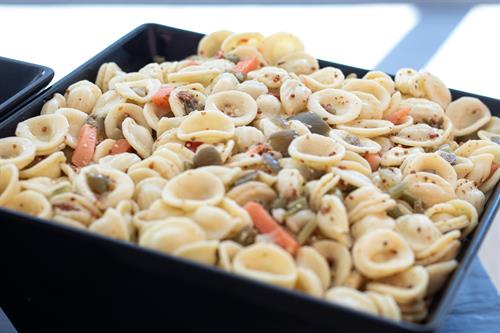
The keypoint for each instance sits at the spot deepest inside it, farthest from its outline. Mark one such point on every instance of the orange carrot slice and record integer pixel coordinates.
(264, 222)
(247, 65)
(85, 147)
(120, 146)
(160, 99)
(398, 117)
(373, 160)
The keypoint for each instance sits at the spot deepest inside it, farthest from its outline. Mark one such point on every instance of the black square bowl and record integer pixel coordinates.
(20, 80)
(55, 278)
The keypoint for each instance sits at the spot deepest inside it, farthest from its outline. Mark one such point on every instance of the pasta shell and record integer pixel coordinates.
(208, 126)
(76, 119)
(120, 186)
(106, 72)
(216, 222)
(429, 188)
(278, 45)
(406, 287)
(335, 106)
(372, 222)
(106, 102)
(47, 132)
(386, 305)
(300, 63)
(452, 215)
(339, 258)
(353, 161)
(468, 114)
(239, 106)
(171, 235)
(309, 258)
(467, 190)
(423, 135)
(16, 150)
(50, 167)
(252, 191)
(82, 95)
(153, 71)
(325, 78)
(316, 151)
(239, 39)
(435, 89)
(294, 96)
(204, 252)
(289, 184)
(402, 79)
(113, 122)
(332, 218)
(138, 137)
(397, 155)
(418, 230)
(382, 253)
(308, 282)
(74, 207)
(267, 263)
(383, 79)
(370, 87)
(183, 101)
(351, 298)
(111, 224)
(438, 274)
(210, 44)
(52, 105)
(272, 77)
(247, 136)
(148, 191)
(368, 128)
(9, 183)
(140, 91)
(30, 202)
(193, 189)
(433, 163)
(253, 87)
(224, 82)
(226, 252)
(122, 161)
(125, 77)
(194, 74)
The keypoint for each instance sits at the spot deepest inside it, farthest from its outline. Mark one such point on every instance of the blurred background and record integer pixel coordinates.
(456, 40)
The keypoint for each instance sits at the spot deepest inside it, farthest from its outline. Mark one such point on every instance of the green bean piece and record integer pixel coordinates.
(307, 231)
(296, 206)
(278, 203)
(397, 190)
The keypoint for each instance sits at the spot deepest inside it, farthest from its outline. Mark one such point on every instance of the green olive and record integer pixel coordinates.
(313, 122)
(245, 236)
(207, 156)
(99, 184)
(281, 140)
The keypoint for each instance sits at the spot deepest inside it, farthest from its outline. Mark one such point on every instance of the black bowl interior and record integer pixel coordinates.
(20, 80)
(59, 279)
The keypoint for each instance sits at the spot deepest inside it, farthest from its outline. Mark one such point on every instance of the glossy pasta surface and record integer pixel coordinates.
(249, 157)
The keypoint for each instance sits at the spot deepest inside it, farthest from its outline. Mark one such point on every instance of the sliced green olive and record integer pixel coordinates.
(99, 184)
(245, 236)
(448, 157)
(395, 212)
(281, 140)
(313, 122)
(207, 156)
(271, 162)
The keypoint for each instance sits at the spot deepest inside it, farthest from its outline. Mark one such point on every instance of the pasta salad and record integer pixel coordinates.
(250, 157)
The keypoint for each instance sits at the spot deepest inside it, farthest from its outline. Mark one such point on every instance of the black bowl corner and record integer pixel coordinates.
(20, 80)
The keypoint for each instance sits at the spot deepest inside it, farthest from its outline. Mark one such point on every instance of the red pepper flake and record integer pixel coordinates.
(193, 145)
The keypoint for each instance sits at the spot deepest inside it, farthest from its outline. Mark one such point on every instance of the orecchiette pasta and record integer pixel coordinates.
(357, 189)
